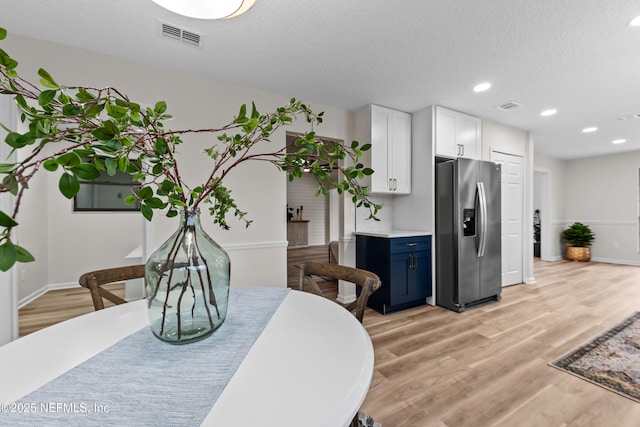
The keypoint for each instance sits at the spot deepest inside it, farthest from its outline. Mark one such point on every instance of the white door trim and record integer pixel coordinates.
(546, 248)
(8, 292)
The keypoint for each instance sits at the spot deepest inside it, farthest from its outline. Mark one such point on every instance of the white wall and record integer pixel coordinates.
(301, 192)
(416, 211)
(67, 244)
(602, 192)
(507, 139)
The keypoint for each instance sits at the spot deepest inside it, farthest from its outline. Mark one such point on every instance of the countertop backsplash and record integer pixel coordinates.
(385, 227)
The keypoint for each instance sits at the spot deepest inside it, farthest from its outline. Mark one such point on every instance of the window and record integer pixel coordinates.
(105, 194)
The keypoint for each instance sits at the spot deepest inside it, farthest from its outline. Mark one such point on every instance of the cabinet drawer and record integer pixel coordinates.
(410, 244)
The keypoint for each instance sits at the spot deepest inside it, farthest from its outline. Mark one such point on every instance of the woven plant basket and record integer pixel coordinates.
(575, 253)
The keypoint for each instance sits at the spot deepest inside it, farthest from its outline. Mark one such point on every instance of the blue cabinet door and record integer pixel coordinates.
(411, 274)
(400, 289)
(420, 279)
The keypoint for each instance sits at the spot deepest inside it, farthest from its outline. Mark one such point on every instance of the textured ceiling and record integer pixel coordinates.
(578, 56)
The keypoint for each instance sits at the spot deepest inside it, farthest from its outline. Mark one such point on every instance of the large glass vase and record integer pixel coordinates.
(187, 284)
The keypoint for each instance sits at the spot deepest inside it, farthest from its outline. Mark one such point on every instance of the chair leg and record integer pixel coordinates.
(354, 421)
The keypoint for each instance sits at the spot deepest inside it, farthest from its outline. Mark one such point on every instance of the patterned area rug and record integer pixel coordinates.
(612, 360)
(365, 420)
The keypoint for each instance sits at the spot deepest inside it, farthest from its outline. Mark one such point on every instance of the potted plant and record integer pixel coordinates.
(578, 238)
(79, 131)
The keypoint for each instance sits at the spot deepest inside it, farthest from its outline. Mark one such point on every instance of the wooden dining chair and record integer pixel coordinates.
(334, 255)
(366, 281)
(95, 280)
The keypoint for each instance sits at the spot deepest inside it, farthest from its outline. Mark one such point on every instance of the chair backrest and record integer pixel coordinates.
(94, 280)
(367, 281)
(334, 255)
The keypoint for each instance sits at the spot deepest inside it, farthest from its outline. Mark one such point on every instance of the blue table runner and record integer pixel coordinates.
(143, 381)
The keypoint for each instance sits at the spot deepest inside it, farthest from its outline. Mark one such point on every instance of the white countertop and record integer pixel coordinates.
(390, 234)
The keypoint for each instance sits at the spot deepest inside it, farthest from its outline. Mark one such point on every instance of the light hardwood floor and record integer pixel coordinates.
(488, 366)
(57, 306)
(485, 367)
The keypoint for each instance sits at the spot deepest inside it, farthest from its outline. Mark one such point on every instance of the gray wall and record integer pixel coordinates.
(601, 192)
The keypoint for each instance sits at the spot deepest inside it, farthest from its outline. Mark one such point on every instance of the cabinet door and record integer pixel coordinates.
(390, 151)
(380, 131)
(469, 130)
(420, 275)
(410, 273)
(302, 235)
(458, 134)
(399, 290)
(446, 140)
(400, 153)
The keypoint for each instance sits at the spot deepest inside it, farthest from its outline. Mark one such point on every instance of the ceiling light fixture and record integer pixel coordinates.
(550, 112)
(482, 87)
(589, 129)
(207, 9)
(635, 22)
(618, 141)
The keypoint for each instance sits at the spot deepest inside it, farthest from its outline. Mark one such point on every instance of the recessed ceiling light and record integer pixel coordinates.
(209, 9)
(635, 22)
(590, 129)
(549, 112)
(482, 87)
(618, 141)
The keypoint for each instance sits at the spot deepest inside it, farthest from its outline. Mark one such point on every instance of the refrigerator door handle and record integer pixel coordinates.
(482, 198)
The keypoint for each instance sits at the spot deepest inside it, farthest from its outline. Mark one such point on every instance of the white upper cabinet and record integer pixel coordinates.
(458, 134)
(389, 133)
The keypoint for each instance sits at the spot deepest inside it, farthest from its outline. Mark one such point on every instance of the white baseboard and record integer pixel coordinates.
(50, 287)
(253, 246)
(616, 261)
(607, 260)
(345, 299)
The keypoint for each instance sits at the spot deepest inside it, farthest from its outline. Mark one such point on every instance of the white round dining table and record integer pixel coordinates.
(311, 366)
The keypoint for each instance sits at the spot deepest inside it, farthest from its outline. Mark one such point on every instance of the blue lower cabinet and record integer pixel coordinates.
(404, 267)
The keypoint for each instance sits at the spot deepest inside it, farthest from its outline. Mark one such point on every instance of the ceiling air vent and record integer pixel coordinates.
(630, 116)
(509, 106)
(179, 34)
(191, 38)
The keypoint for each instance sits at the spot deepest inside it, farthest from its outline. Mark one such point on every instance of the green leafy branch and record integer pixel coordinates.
(79, 131)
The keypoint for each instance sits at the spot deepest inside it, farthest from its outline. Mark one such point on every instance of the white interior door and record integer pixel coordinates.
(512, 185)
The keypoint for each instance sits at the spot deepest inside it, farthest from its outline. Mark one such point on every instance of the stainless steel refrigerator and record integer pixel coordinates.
(467, 233)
